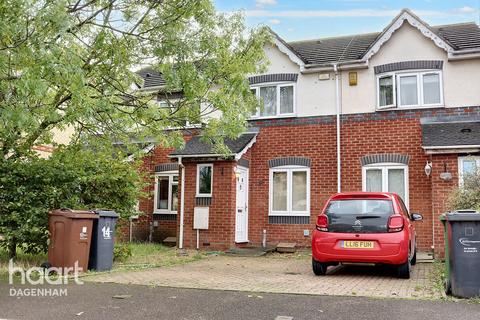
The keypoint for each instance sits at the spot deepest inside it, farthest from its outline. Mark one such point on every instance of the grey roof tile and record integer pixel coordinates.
(451, 133)
(335, 49)
(346, 48)
(461, 35)
(196, 146)
(353, 47)
(151, 78)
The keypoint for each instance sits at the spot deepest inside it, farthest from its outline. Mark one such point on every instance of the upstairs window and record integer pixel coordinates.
(414, 89)
(275, 100)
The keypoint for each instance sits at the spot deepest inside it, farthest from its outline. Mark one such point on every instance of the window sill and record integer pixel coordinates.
(292, 115)
(409, 108)
(164, 212)
(289, 214)
(203, 196)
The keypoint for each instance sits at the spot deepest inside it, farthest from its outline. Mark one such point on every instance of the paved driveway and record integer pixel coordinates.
(283, 274)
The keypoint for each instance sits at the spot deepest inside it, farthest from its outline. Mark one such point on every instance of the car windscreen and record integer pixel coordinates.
(359, 215)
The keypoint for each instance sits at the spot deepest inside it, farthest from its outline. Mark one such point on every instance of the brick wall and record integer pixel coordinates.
(362, 134)
(221, 229)
(141, 227)
(313, 141)
(315, 137)
(402, 136)
(440, 192)
(318, 142)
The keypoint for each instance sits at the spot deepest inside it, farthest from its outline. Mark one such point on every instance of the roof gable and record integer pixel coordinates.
(287, 49)
(407, 16)
(452, 38)
(196, 147)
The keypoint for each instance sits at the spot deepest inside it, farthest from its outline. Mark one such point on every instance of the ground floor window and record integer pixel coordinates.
(467, 165)
(166, 193)
(386, 178)
(204, 180)
(290, 191)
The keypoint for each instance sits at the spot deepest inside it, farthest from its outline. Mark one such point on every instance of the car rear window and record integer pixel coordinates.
(359, 215)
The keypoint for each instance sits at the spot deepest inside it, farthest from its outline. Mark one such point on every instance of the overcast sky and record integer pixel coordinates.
(307, 19)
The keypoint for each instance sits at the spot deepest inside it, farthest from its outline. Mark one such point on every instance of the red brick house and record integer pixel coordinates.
(397, 110)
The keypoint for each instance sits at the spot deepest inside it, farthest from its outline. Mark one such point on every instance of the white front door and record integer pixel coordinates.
(241, 215)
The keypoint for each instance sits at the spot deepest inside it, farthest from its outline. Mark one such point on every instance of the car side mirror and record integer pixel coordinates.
(417, 217)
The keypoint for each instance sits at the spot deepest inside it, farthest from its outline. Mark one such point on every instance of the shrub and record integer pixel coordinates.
(467, 196)
(121, 252)
(71, 178)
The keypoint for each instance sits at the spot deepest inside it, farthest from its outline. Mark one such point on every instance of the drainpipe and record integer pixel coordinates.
(182, 202)
(338, 107)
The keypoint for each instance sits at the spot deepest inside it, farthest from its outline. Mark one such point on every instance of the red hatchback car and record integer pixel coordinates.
(365, 227)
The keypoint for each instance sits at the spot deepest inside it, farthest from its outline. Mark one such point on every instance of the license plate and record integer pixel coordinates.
(357, 244)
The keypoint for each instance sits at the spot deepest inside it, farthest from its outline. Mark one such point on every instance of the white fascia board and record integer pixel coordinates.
(247, 147)
(451, 147)
(237, 156)
(147, 149)
(457, 55)
(291, 55)
(200, 155)
(148, 89)
(347, 65)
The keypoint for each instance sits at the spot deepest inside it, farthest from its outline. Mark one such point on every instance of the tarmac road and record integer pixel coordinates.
(114, 301)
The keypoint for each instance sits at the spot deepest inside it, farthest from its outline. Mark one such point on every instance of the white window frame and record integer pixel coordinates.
(440, 82)
(386, 75)
(385, 167)
(278, 85)
(397, 89)
(170, 175)
(199, 166)
(289, 212)
(460, 166)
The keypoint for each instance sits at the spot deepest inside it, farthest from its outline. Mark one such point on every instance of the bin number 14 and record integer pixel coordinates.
(106, 232)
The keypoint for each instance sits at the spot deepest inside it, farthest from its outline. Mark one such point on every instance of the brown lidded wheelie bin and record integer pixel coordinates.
(70, 236)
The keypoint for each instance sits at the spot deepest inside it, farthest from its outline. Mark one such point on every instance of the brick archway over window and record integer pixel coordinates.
(385, 158)
(289, 161)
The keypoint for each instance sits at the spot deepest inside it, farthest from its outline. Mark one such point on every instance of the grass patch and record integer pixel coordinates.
(23, 260)
(301, 254)
(438, 277)
(153, 255)
(143, 256)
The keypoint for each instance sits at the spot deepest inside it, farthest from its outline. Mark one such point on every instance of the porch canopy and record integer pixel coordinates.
(197, 148)
(451, 134)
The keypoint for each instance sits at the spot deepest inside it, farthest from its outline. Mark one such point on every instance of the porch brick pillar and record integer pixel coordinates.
(441, 190)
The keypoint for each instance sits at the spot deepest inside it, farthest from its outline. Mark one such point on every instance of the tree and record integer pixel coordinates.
(70, 63)
(71, 178)
(467, 196)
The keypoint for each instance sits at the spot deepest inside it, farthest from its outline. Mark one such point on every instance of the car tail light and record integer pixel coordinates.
(322, 223)
(395, 224)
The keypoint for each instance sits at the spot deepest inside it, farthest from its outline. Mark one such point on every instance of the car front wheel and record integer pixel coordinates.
(319, 269)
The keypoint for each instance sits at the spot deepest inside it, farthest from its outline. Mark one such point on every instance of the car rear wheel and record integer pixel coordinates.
(403, 270)
(414, 258)
(319, 269)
